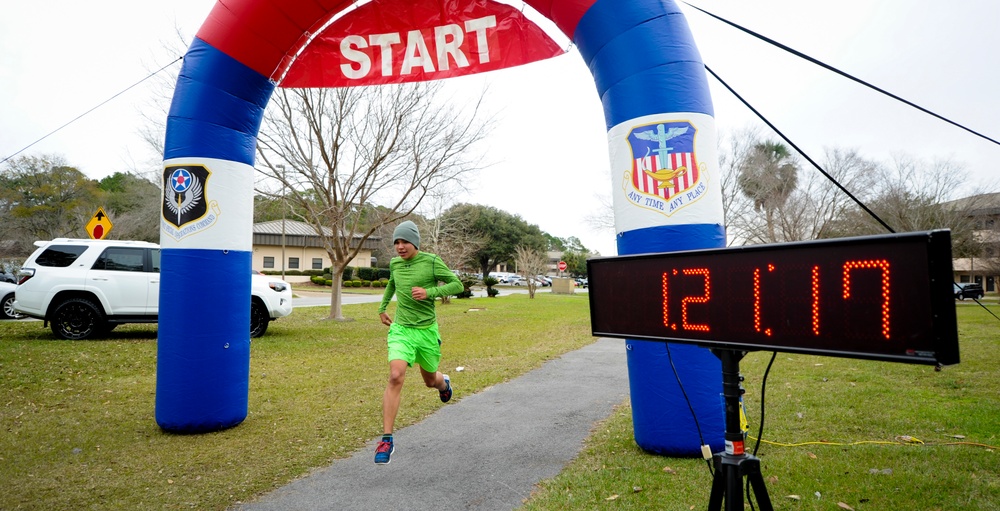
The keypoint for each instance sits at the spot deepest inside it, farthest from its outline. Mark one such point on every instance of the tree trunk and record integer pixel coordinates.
(336, 302)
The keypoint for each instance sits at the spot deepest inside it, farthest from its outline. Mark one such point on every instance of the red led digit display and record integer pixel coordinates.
(882, 265)
(702, 298)
(878, 297)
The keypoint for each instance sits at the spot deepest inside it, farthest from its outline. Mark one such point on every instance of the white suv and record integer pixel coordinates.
(85, 288)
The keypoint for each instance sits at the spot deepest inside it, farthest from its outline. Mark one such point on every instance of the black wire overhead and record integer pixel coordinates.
(844, 74)
(102, 103)
(800, 151)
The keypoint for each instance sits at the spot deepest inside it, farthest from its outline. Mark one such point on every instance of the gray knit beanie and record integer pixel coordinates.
(407, 231)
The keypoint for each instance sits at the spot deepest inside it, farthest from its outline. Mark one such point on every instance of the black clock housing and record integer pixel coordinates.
(885, 297)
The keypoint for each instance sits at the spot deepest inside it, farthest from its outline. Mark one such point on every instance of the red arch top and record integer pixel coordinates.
(565, 14)
(264, 34)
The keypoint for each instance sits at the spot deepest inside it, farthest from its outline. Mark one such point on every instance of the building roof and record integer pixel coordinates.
(295, 228)
(982, 204)
(299, 234)
(291, 228)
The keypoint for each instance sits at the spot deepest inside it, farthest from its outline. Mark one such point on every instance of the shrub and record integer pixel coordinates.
(348, 273)
(490, 282)
(356, 283)
(368, 274)
(467, 283)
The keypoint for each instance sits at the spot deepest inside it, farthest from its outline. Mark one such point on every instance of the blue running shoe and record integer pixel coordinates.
(446, 394)
(383, 453)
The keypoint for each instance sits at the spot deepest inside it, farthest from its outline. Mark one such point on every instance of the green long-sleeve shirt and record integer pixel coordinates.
(422, 270)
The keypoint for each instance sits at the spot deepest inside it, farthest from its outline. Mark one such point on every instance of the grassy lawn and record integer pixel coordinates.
(835, 438)
(77, 428)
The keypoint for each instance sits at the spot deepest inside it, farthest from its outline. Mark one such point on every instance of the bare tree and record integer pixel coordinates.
(164, 80)
(912, 194)
(455, 242)
(356, 159)
(531, 262)
(760, 209)
(817, 202)
(738, 210)
(602, 218)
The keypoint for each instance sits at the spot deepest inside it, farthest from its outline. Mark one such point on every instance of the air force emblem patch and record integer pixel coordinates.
(185, 208)
(665, 174)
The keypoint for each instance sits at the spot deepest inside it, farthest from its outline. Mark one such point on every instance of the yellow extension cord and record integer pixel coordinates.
(899, 440)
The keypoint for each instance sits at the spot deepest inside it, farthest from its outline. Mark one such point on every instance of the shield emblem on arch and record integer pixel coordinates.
(184, 194)
(664, 163)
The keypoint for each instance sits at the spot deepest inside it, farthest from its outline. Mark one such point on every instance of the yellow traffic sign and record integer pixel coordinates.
(99, 225)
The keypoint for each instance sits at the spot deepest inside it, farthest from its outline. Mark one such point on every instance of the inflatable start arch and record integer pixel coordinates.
(661, 136)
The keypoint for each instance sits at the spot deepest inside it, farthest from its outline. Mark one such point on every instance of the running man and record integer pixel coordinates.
(413, 336)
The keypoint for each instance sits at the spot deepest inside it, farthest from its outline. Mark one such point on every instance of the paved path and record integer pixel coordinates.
(484, 452)
(310, 298)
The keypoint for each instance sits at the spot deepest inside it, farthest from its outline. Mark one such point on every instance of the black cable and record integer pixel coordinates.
(690, 407)
(763, 388)
(760, 429)
(981, 304)
(800, 151)
(844, 74)
(814, 164)
(47, 135)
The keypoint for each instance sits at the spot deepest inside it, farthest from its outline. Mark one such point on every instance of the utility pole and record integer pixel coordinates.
(283, 207)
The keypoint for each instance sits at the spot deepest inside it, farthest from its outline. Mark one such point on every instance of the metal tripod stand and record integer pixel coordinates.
(734, 464)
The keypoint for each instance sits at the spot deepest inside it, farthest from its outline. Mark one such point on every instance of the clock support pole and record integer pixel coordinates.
(732, 465)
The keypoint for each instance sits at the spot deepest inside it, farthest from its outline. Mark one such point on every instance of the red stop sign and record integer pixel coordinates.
(562, 265)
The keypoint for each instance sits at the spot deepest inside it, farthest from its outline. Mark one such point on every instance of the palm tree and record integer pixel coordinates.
(768, 176)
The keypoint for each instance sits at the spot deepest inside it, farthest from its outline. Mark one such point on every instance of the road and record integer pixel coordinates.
(303, 298)
(485, 451)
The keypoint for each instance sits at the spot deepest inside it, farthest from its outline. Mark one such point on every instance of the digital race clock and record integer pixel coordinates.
(878, 297)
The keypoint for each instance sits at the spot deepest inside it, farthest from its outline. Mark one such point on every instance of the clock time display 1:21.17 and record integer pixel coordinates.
(879, 297)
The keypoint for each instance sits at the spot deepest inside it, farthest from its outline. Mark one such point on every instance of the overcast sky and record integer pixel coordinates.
(60, 58)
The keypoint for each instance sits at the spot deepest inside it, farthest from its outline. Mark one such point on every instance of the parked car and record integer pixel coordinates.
(7, 301)
(516, 280)
(968, 290)
(85, 288)
(520, 281)
(581, 282)
(502, 276)
(543, 280)
(266, 306)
